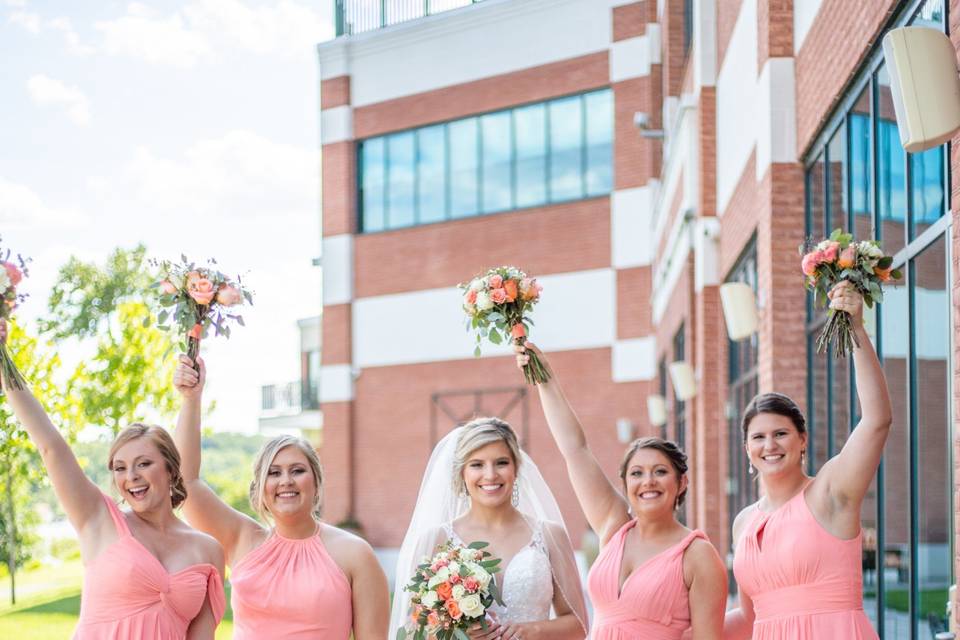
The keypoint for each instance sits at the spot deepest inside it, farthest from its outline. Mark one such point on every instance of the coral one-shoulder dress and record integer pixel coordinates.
(805, 583)
(653, 603)
(129, 595)
(289, 589)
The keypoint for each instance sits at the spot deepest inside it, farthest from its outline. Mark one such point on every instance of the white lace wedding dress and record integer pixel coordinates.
(526, 584)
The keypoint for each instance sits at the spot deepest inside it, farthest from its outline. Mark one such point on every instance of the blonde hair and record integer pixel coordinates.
(261, 467)
(476, 434)
(168, 450)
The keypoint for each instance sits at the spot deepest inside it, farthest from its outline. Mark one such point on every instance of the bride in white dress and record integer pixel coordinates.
(479, 486)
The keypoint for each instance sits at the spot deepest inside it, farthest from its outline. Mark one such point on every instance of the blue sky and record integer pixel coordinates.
(189, 126)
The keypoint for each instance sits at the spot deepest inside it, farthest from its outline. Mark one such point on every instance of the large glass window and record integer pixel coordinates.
(680, 407)
(859, 178)
(554, 151)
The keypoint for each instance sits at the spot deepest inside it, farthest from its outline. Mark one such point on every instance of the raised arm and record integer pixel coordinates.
(604, 506)
(848, 475)
(203, 508)
(80, 498)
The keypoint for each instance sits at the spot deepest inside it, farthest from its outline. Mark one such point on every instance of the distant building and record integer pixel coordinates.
(293, 407)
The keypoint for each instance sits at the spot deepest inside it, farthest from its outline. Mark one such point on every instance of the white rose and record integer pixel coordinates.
(4, 280)
(429, 599)
(476, 284)
(441, 576)
(471, 606)
(453, 567)
(484, 303)
(458, 591)
(870, 250)
(480, 574)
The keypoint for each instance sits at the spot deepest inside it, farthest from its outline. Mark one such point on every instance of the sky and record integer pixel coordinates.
(189, 126)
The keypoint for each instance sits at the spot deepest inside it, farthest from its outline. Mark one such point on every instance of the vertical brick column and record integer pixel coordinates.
(339, 185)
(954, 15)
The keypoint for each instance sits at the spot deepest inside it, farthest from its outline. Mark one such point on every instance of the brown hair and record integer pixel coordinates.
(261, 467)
(479, 433)
(676, 456)
(775, 403)
(164, 443)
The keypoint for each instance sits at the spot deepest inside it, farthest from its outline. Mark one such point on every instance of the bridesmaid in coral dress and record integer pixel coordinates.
(797, 549)
(147, 575)
(654, 579)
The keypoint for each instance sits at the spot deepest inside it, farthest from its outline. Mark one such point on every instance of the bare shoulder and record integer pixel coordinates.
(554, 529)
(701, 553)
(209, 546)
(348, 550)
(741, 521)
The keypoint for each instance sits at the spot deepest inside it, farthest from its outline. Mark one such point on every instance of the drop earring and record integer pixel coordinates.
(515, 498)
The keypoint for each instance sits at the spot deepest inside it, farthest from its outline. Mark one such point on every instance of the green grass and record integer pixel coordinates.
(931, 601)
(50, 605)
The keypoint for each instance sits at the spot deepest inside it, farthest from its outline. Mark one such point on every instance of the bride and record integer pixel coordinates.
(479, 486)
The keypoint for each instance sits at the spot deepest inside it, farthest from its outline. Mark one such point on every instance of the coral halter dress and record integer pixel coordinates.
(805, 583)
(129, 595)
(288, 589)
(652, 604)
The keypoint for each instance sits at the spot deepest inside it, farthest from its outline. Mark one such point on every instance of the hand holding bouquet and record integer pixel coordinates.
(451, 592)
(496, 304)
(11, 273)
(840, 259)
(196, 298)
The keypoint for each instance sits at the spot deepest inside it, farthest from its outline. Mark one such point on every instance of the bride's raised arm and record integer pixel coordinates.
(604, 506)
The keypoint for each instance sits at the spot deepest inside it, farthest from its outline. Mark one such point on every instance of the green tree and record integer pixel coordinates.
(21, 470)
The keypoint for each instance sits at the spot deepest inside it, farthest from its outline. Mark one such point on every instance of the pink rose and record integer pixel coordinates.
(471, 297)
(229, 296)
(200, 288)
(167, 287)
(810, 262)
(499, 296)
(471, 584)
(13, 272)
(495, 281)
(848, 257)
(529, 289)
(831, 252)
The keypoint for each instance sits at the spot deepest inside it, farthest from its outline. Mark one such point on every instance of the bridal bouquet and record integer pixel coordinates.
(451, 592)
(197, 298)
(11, 273)
(496, 304)
(840, 258)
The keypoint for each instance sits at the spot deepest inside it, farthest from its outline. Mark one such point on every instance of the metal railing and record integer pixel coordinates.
(290, 397)
(357, 16)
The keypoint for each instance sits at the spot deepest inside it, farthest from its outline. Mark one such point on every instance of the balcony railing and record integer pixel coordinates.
(357, 16)
(291, 397)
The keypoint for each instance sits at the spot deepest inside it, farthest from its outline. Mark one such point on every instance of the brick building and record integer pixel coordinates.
(634, 156)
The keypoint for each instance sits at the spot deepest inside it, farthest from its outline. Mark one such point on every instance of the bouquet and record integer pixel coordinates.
(840, 258)
(10, 276)
(197, 298)
(451, 592)
(496, 304)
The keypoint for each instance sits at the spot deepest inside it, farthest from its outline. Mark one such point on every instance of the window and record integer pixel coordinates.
(860, 178)
(662, 377)
(680, 408)
(528, 156)
(742, 386)
(687, 26)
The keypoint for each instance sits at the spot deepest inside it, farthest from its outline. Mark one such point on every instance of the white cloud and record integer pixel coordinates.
(47, 91)
(65, 27)
(22, 208)
(28, 20)
(201, 28)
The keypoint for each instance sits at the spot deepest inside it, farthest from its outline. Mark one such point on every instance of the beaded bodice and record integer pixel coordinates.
(526, 584)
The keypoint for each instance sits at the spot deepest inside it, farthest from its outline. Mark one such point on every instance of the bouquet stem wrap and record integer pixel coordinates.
(534, 372)
(10, 276)
(8, 371)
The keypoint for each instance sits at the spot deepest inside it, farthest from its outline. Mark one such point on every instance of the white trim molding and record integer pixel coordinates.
(336, 383)
(337, 269)
(631, 214)
(336, 124)
(634, 359)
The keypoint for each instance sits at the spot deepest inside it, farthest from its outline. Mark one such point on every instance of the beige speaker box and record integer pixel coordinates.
(926, 86)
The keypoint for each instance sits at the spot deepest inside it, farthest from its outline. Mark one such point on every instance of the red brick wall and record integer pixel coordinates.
(636, 159)
(739, 221)
(335, 456)
(630, 20)
(727, 13)
(554, 239)
(774, 30)
(674, 55)
(954, 15)
(336, 323)
(633, 302)
(335, 92)
(339, 180)
(832, 51)
(489, 94)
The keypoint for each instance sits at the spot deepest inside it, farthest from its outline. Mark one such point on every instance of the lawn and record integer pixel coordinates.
(49, 603)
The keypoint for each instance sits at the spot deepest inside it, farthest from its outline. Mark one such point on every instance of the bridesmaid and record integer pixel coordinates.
(147, 575)
(798, 549)
(300, 577)
(654, 578)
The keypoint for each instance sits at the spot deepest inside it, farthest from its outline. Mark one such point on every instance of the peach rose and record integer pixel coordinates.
(529, 289)
(229, 296)
(433, 619)
(810, 262)
(444, 590)
(884, 274)
(848, 257)
(510, 286)
(499, 296)
(167, 287)
(518, 331)
(200, 288)
(831, 252)
(13, 272)
(495, 281)
(453, 609)
(196, 332)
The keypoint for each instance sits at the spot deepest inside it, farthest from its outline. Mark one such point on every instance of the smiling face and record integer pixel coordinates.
(489, 474)
(653, 483)
(141, 475)
(290, 486)
(774, 444)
